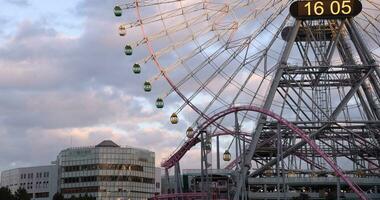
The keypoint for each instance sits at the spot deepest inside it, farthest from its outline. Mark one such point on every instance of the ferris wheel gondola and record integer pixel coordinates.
(219, 54)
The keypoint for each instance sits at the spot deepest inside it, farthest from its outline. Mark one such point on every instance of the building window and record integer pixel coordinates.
(109, 179)
(81, 190)
(42, 195)
(123, 167)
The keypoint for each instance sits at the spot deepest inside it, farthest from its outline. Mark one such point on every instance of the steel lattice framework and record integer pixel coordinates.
(225, 59)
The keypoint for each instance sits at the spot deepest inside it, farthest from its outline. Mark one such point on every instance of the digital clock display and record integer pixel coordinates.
(325, 9)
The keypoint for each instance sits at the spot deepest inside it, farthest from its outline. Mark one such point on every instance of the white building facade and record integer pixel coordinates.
(108, 172)
(40, 182)
(158, 180)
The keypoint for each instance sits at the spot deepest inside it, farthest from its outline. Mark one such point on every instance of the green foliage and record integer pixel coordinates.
(85, 197)
(302, 196)
(22, 194)
(6, 194)
(331, 195)
(58, 196)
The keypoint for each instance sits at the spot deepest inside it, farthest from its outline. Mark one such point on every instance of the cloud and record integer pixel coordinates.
(40, 146)
(4, 20)
(59, 90)
(19, 2)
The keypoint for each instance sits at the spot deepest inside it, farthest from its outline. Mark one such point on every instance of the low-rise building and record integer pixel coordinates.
(158, 180)
(40, 182)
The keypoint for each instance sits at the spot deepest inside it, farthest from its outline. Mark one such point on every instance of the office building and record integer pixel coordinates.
(108, 172)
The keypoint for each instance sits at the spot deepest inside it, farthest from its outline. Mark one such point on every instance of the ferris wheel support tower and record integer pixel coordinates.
(363, 82)
(311, 64)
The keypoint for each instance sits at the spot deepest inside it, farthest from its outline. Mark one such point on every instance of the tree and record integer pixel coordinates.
(58, 196)
(331, 195)
(21, 194)
(302, 196)
(6, 194)
(85, 197)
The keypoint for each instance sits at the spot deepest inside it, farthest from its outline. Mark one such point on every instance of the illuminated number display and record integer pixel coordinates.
(325, 9)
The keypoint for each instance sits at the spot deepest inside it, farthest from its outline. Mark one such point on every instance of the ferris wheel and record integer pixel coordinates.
(208, 51)
(215, 55)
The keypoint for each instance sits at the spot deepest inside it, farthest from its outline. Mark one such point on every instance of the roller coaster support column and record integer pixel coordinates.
(239, 152)
(177, 175)
(245, 166)
(204, 166)
(338, 188)
(217, 153)
(237, 141)
(279, 144)
(168, 191)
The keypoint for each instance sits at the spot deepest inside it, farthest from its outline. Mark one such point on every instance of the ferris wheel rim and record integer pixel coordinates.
(157, 63)
(171, 83)
(175, 85)
(161, 69)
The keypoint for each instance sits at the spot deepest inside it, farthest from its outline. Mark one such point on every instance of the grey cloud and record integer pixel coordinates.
(52, 85)
(19, 2)
(57, 110)
(40, 146)
(54, 62)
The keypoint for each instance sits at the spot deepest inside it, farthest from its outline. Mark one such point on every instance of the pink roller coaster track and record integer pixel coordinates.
(190, 143)
(209, 120)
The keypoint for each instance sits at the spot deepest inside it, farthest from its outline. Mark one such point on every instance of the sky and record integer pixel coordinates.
(64, 82)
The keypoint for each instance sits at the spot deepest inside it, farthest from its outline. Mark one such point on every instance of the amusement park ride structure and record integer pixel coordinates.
(292, 86)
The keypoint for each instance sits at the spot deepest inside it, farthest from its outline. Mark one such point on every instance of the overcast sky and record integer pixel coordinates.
(64, 81)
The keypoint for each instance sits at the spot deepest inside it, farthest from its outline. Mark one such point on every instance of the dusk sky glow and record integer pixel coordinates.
(64, 81)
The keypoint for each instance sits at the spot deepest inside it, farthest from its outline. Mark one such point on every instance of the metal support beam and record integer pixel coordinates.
(217, 153)
(245, 166)
(167, 181)
(336, 112)
(178, 181)
(367, 59)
